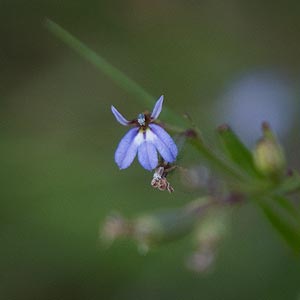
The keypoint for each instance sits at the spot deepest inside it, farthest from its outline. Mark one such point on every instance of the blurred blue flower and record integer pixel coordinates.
(257, 96)
(145, 139)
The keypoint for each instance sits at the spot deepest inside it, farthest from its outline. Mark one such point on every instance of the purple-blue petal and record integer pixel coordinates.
(157, 108)
(164, 143)
(119, 116)
(127, 149)
(147, 155)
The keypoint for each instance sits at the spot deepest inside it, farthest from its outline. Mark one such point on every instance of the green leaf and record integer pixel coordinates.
(289, 230)
(289, 208)
(290, 184)
(214, 159)
(236, 151)
(120, 78)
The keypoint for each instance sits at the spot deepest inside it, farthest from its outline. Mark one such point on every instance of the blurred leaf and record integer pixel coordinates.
(214, 159)
(236, 151)
(288, 207)
(120, 78)
(289, 230)
(290, 184)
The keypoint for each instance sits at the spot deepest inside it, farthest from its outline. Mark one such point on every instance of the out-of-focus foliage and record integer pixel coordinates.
(58, 137)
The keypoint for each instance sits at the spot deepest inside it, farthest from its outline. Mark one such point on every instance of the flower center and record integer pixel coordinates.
(141, 119)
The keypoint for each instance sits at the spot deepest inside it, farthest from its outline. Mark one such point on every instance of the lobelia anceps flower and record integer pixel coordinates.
(145, 139)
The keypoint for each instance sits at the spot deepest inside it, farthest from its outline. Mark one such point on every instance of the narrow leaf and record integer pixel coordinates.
(213, 158)
(288, 207)
(290, 184)
(236, 151)
(288, 231)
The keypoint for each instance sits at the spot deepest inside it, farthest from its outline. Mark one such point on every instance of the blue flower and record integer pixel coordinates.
(145, 139)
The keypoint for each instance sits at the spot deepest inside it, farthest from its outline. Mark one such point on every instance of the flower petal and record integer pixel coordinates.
(119, 117)
(127, 149)
(163, 143)
(147, 156)
(157, 108)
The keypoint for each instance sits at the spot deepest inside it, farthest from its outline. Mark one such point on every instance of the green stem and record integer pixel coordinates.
(288, 230)
(99, 62)
(120, 78)
(213, 158)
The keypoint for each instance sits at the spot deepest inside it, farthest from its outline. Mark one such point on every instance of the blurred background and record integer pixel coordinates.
(234, 61)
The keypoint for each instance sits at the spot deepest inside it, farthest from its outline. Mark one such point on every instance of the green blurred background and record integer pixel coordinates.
(58, 137)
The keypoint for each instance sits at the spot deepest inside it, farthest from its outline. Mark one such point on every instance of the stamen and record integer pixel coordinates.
(141, 119)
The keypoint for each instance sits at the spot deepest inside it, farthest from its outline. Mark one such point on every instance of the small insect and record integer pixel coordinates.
(159, 180)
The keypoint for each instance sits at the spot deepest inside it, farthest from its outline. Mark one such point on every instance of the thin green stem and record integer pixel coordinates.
(281, 222)
(214, 159)
(99, 62)
(120, 78)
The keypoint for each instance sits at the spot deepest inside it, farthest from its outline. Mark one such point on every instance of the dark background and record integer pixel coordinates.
(233, 61)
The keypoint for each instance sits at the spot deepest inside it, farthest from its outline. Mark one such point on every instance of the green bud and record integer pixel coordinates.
(268, 154)
(209, 234)
(213, 227)
(147, 231)
(235, 150)
(114, 227)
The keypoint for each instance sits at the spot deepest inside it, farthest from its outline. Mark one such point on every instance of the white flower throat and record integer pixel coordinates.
(141, 119)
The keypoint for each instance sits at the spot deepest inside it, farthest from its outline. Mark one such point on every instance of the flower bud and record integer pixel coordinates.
(268, 154)
(155, 229)
(114, 227)
(150, 230)
(210, 232)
